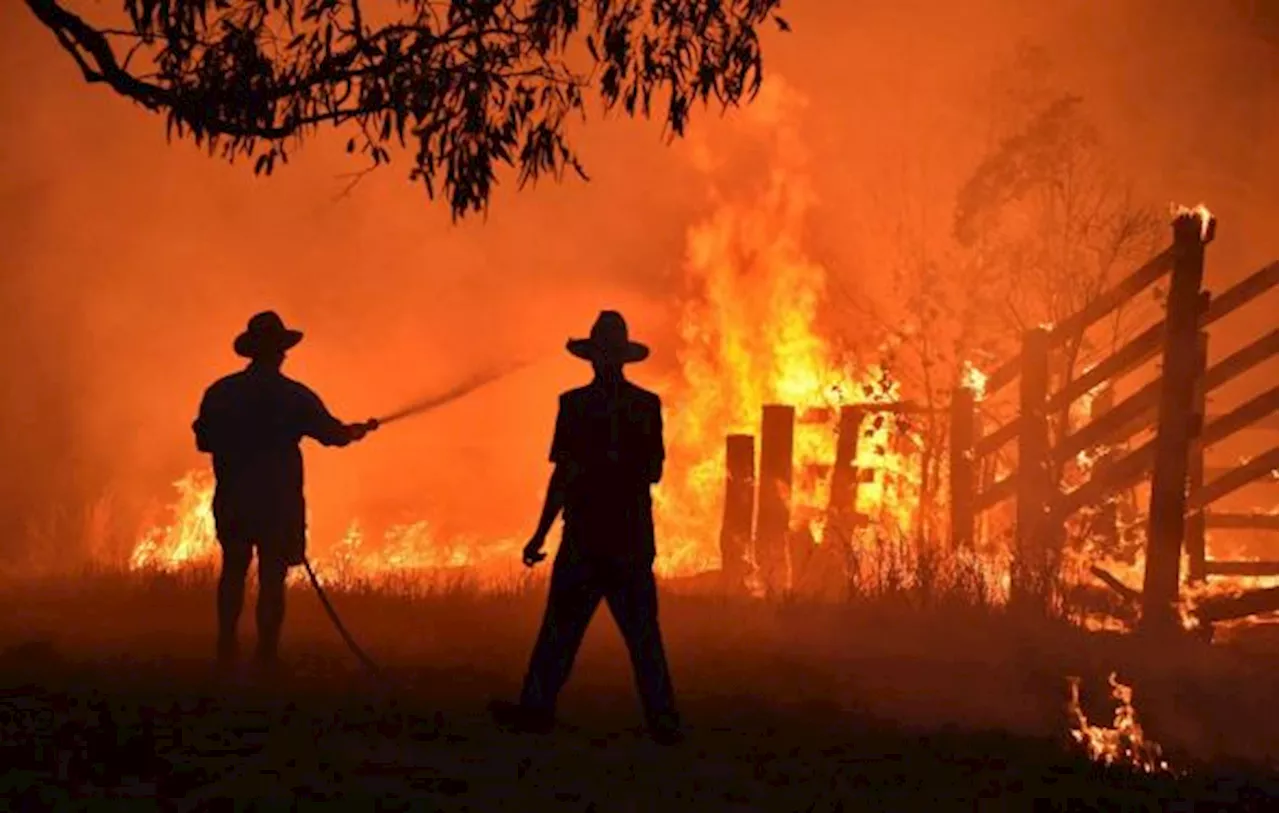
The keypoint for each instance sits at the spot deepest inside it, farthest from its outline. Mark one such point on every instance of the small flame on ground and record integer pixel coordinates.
(191, 539)
(1123, 743)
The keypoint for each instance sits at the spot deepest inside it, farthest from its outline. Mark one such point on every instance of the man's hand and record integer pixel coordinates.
(359, 430)
(533, 551)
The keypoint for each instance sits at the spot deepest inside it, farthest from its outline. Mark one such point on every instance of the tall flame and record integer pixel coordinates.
(751, 337)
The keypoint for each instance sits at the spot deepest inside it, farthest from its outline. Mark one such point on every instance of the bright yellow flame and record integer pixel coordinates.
(974, 380)
(191, 539)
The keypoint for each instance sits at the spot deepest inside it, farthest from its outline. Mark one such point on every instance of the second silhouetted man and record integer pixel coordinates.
(608, 452)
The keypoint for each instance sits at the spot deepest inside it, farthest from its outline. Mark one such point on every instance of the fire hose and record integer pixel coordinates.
(419, 407)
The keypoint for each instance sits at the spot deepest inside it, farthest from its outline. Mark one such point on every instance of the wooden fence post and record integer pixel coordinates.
(960, 476)
(773, 521)
(833, 576)
(739, 507)
(843, 507)
(1106, 520)
(1195, 531)
(1165, 524)
(1035, 473)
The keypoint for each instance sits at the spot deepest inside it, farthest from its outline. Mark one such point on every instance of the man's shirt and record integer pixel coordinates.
(252, 422)
(609, 439)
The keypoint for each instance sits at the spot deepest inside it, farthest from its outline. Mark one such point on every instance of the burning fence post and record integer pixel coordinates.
(964, 417)
(739, 508)
(1195, 530)
(1191, 231)
(1106, 521)
(842, 506)
(777, 431)
(1035, 485)
(842, 510)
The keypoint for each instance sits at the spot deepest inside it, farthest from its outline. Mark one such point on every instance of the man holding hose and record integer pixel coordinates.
(252, 422)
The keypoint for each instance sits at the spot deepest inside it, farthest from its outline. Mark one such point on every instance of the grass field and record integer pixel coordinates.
(893, 704)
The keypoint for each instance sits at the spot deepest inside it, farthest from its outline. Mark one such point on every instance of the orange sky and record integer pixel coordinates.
(130, 264)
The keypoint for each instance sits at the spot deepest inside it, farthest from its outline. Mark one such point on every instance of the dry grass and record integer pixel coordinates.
(893, 698)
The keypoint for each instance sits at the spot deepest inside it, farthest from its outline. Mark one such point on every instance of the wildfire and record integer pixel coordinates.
(1123, 743)
(750, 329)
(751, 336)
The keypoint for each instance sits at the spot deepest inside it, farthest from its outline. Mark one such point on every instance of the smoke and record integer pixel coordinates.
(130, 263)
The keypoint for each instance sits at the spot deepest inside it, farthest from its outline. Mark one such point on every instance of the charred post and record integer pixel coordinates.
(826, 569)
(1106, 520)
(774, 494)
(960, 475)
(1174, 427)
(1195, 530)
(843, 507)
(1035, 473)
(739, 507)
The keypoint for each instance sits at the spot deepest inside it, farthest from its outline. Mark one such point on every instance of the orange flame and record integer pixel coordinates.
(1123, 743)
(751, 336)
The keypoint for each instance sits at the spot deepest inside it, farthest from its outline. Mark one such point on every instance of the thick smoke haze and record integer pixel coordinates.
(130, 263)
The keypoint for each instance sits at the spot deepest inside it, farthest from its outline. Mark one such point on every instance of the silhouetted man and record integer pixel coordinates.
(252, 422)
(608, 452)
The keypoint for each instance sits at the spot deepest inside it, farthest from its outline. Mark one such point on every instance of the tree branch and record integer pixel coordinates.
(484, 83)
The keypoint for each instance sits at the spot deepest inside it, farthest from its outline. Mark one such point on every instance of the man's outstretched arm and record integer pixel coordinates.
(318, 423)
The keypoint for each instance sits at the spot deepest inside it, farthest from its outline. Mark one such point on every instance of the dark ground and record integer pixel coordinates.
(885, 705)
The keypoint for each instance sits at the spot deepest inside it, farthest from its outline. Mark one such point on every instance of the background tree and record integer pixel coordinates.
(470, 84)
(1042, 223)
(1048, 222)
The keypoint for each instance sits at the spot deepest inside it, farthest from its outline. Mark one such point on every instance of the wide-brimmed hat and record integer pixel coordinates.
(265, 333)
(608, 342)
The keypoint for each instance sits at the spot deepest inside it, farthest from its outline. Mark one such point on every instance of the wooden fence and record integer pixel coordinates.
(1174, 403)
(1182, 486)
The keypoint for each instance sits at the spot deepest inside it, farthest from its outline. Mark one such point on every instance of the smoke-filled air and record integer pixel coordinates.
(842, 282)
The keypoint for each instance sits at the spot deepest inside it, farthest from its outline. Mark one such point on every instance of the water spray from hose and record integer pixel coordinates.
(420, 407)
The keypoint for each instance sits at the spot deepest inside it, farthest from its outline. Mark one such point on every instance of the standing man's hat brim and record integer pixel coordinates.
(608, 342)
(265, 333)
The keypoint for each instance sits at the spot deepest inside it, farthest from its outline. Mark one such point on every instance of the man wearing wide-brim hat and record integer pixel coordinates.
(252, 422)
(608, 453)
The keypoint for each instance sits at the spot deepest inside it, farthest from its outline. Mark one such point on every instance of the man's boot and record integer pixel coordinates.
(665, 729)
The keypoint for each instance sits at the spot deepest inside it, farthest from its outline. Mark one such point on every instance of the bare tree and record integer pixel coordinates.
(473, 84)
(1048, 223)
(1041, 226)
